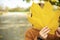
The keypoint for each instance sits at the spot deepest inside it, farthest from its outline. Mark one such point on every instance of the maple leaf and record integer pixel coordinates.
(45, 16)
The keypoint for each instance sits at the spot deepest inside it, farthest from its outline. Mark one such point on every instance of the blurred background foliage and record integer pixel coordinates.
(18, 9)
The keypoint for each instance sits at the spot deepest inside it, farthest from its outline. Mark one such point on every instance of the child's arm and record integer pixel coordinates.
(32, 34)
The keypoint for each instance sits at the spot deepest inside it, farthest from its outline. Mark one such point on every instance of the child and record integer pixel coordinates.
(37, 32)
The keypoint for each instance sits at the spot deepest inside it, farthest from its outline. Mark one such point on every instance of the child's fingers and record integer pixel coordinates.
(59, 29)
(44, 28)
(57, 34)
(46, 32)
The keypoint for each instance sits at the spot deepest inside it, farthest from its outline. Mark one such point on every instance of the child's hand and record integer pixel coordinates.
(44, 32)
(58, 32)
